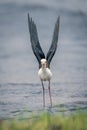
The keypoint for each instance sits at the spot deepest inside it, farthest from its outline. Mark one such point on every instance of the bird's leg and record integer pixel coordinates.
(43, 94)
(50, 94)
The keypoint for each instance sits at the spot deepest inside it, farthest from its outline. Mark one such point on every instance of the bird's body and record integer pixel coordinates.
(44, 72)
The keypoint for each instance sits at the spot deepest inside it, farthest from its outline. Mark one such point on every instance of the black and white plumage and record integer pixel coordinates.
(44, 72)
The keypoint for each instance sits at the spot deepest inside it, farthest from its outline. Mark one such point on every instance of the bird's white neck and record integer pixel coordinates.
(43, 67)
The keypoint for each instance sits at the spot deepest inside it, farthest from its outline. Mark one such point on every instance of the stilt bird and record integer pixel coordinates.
(44, 72)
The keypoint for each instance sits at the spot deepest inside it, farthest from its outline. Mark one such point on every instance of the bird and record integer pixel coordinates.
(44, 71)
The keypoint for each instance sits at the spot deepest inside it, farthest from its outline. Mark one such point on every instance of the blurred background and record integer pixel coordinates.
(19, 83)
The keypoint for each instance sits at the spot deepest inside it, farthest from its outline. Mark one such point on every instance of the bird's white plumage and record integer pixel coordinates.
(44, 72)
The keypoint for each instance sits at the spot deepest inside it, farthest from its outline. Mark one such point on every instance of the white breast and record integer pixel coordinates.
(44, 74)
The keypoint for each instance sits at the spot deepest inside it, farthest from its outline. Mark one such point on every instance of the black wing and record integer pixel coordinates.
(53, 47)
(34, 40)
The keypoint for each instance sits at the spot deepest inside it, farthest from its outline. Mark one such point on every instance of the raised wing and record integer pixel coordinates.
(53, 47)
(34, 40)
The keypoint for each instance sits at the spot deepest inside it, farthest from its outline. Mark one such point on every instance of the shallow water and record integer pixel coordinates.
(20, 87)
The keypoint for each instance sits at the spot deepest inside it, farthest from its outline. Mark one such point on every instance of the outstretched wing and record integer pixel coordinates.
(53, 47)
(34, 40)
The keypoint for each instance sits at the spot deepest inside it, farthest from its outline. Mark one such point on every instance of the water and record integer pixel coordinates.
(20, 87)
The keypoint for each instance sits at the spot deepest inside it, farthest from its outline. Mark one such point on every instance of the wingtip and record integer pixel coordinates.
(29, 18)
(57, 22)
(29, 22)
(28, 15)
(58, 19)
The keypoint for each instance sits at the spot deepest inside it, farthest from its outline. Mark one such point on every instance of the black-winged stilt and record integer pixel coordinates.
(44, 72)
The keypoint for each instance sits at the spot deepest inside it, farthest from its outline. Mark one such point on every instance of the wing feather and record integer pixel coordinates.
(34, 40)
(53, 46)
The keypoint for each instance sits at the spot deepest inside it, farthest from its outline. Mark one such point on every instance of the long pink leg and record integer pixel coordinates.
(50, 94)
(43, 94)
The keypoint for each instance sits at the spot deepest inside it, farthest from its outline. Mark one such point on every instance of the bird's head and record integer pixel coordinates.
(43, 63)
